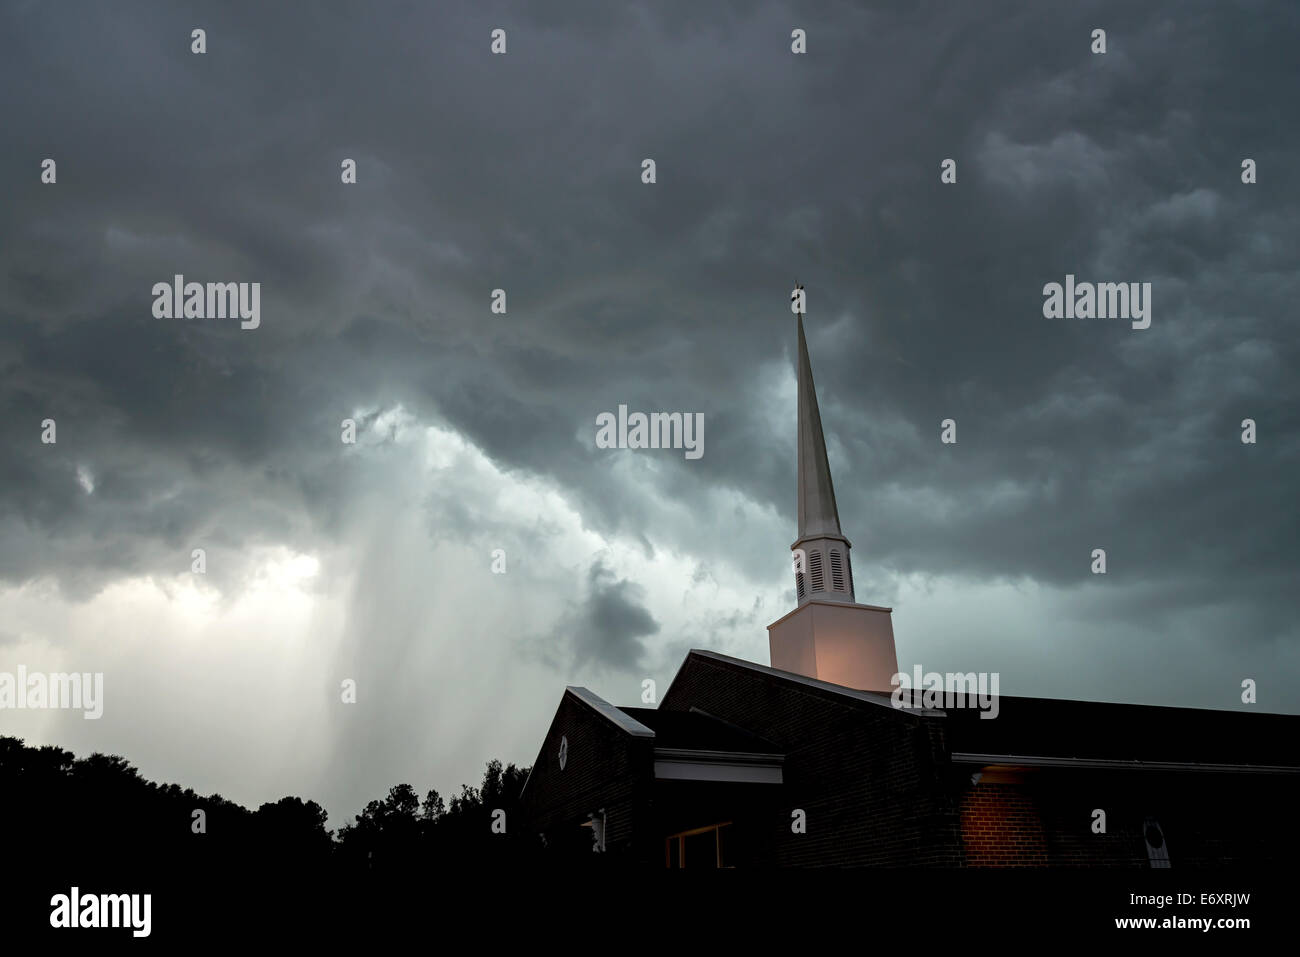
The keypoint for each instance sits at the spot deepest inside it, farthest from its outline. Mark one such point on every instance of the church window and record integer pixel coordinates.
(703, 847)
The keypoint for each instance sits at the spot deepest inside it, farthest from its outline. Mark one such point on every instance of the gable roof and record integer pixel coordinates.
(624, 722)
(620, 717)
(815, 685)
(1058, 732)
(697, 731)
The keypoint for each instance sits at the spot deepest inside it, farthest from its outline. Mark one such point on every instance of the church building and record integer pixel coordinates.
(816, 760)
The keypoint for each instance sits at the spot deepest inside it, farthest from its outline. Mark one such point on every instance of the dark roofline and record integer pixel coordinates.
(885, 699)
(626, 723)
(1128, 764)
(733, 726)
(824, 688)
(729, 757)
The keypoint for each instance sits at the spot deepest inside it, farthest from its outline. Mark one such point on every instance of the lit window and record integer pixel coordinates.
(703, 847)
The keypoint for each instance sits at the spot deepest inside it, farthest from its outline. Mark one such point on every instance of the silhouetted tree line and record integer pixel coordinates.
(402, 832)
(98, 815)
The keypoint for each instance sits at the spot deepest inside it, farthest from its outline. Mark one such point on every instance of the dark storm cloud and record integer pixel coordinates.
(605, 629)
(523, 172)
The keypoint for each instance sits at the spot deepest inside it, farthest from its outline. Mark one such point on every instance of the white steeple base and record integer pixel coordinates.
(846, 644)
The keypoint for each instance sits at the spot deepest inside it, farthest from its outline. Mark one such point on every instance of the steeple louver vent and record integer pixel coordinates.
(815, 570)
(837, 570)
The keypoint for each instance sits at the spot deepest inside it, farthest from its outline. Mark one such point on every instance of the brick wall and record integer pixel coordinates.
(1208, 820)
(606, 768)
(1001, 826)
(872, 780)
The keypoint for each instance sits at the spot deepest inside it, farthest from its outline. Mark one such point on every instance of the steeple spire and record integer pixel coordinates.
(821, 562)
(818, 514)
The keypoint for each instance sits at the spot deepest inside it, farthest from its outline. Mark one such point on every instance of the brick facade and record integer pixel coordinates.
(605, 768)
(1207, 820)
(1000, 826)
(882, 786)
(870, 779)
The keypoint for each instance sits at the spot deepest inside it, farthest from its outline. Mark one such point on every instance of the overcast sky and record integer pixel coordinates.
(476, 431)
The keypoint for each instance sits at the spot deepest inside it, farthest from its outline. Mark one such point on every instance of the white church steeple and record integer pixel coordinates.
(828, 636)
(821, 559)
